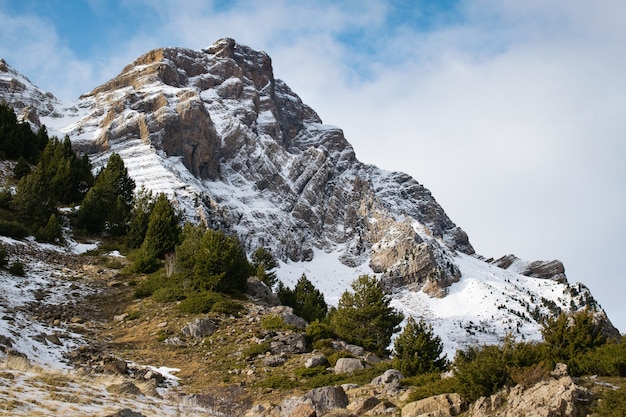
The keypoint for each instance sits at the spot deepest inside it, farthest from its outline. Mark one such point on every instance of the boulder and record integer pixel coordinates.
(127, 412)
(199, 328)
(260, 292)
(389, 381)
(286, 313)
(348, 365)
(443, 405)
(297, 407)
(363, 405)
(288, 343)
(326, 399)
(315, 361)
(557, 396)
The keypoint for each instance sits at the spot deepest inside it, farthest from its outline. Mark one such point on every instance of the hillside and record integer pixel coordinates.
(235, 149)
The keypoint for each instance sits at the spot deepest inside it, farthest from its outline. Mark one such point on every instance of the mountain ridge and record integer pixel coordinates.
(234, 147)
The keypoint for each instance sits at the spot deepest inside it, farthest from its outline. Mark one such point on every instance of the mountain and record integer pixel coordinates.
(236, 148)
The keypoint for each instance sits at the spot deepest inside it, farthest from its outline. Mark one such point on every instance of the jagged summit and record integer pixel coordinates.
(235, 147)
(29, 102)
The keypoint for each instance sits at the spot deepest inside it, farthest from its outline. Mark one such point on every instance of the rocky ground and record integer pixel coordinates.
(97, 350)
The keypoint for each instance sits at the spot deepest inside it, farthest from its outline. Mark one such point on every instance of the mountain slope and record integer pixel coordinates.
(236, 148)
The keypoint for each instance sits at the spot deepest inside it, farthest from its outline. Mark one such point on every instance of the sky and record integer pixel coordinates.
(512, 113)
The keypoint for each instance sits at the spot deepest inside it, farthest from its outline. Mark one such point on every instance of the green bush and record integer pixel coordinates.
(256, 350)
(317, 331)
(201, 303)
(613, 403)
(13, 229)
(605, 360)
(273, 322)
(306, 300)
(480, 371)
(168, 294)
(17, 269)
(151, 284)
(198, 303)
(4, 256)
(427, 385)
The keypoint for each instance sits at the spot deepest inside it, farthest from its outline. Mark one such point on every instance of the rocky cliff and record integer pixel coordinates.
(264, 165)
(236, 148)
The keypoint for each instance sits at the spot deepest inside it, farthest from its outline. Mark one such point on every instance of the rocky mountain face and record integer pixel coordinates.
(236, 148)
(264, 165)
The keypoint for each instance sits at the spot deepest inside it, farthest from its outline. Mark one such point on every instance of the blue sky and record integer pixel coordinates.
(513, 113)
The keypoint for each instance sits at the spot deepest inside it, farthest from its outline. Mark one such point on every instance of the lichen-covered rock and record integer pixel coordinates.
(199, 328)
(444, 405)
(348, 365)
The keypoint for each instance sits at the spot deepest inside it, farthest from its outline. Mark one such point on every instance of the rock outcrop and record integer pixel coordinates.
(263, 164)
(557, 396)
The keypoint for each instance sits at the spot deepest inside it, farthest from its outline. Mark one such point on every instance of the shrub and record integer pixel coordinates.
(150, 285)
(256, 350)
(613, 403)
(17, 269)
(198, 303)
(605, 360)
(13, 229)
(568, 336)
(317, 331)
(273, 322)
(4, 256)
(168, 294)
(427, 385)
(480, 371)
(209, 302)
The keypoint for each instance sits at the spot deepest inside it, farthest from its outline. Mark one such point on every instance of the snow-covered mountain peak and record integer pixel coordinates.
(235, 147)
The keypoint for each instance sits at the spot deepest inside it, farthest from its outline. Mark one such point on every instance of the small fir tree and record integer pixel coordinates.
(264, 263)
(365, 317)
(417, 350)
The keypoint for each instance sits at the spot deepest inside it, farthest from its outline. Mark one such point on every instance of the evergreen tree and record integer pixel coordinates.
(417, 350)
(21, 168)
(365, 317)
(264, 263)
(33, 201)
(52, 232)
(139, 218)
(220, 264)
(108, 203)
(163, 232)
(306, 300)
(568, 336)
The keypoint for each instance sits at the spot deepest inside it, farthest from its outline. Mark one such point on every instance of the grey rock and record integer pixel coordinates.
(288, 343)
(389, 381)
(274, 360)
(259, 292)
(315, 361)
(199, 328)
(348, 365)
(326, 399)
(444, 405)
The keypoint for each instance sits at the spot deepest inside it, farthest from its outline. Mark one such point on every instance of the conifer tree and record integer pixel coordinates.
(365, 317)
(306, 300)
(108, 203)
(417, 350)
(163, 232)
(264, 263)
(139, 218)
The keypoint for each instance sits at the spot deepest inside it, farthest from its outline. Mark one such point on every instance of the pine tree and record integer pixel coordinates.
(264, 263)
(163, 232)
(365, 317)
(220, 264)
(108, 203)
(139, 218)
(417, 350)
(306, 300)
